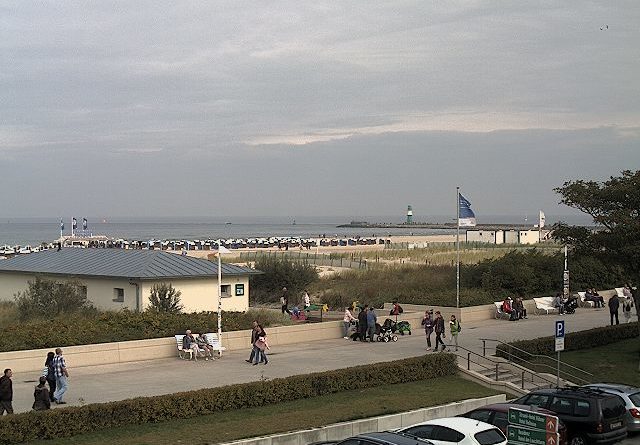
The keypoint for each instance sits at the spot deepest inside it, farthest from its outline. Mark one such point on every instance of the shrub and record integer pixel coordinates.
(573, 341)
(82, 329)
(48, 298)
(279, 273)
(71, 421)
(164, 298)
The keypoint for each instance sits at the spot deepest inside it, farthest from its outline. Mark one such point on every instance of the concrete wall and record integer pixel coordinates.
(340, 431)
(529, 237)
(200, 294)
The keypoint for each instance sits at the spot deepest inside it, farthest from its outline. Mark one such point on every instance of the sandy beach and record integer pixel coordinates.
(412, 239)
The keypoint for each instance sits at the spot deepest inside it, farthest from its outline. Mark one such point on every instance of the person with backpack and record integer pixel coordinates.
(454, 326)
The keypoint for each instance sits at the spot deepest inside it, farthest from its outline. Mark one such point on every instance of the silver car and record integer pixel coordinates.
(631, 397)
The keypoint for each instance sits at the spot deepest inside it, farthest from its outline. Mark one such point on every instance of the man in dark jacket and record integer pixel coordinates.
(439, 329)
(614, 305)
(362, 322)
(6, 392)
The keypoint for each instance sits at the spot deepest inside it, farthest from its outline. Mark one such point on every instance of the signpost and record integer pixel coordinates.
(531, 428)
(559, 334)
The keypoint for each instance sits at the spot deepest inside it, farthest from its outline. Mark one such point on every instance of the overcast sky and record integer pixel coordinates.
(312, 108)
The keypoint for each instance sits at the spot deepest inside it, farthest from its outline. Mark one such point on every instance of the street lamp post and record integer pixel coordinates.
(221, 250)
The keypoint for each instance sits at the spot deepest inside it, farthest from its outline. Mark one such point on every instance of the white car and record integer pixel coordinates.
(456, 430)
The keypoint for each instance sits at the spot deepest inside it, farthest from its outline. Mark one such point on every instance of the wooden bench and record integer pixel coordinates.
(544, 304)
(499, 312)
(214, 342)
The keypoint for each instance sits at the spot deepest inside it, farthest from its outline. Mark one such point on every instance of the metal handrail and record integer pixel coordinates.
(497, 363)
(555, 361)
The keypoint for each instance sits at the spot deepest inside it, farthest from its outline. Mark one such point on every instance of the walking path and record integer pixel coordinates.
(149, 378)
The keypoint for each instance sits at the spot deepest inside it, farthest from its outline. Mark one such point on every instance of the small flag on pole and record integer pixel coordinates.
(84, 224)
(541, 220)
(61, 225)
(74, 223)
(467, 218)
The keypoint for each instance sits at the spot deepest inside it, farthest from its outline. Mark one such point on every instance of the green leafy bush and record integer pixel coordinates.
(71, 421)
(48, 298)
(279, 273)
(105, 327)
(573, 341)
(164, 298)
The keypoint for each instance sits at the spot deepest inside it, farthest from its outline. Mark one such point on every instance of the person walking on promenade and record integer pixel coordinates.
(346, 322)
(306, 300)
(6, 392)
(256, 331)
(284, 301)
(627, 304)
(50, 374)
(614, 305)
(427, 322)
(454, 325)
(440, 333)
(362, 322)
(41, 400)
(261, 346)
(372, 319)
(62, 375)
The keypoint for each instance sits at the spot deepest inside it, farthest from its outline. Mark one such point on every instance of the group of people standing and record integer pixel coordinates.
(435, 323)
(51, 388)
(627, 304)
(365, 323)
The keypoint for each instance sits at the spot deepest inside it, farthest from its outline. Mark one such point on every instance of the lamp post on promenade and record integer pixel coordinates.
(221, 250)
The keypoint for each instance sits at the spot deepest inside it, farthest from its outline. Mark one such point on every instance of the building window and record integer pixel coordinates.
(225, 290)
(239, 290)
(118, 295)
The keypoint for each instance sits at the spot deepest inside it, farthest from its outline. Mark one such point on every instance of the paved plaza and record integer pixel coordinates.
(164, 376)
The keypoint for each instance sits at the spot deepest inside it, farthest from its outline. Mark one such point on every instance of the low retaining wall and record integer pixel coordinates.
(340, 431)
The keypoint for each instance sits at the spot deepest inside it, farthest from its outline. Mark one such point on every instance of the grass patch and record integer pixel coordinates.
(288, 416)
(614, 363)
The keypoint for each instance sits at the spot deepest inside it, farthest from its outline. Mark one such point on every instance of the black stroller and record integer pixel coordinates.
(569, 306)
(387, 330)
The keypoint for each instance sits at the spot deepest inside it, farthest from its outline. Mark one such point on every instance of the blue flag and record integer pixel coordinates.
(467, 218)
(74, 223)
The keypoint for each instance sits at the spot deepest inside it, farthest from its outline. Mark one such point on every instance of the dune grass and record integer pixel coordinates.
(289, 416)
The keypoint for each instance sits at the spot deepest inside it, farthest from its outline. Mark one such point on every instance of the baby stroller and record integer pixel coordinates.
(386, 332)
(569, 306)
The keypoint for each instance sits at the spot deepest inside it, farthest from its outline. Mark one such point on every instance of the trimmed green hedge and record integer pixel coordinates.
(66, 422)
(573, 341)
(106, 327)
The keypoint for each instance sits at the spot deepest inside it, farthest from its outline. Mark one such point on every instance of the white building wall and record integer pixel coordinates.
(499, 236)
(481, 236)
(197, 295)
(529, 237)
(511, 237)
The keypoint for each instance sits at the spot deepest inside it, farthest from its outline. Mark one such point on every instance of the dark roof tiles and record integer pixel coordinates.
(118, 263)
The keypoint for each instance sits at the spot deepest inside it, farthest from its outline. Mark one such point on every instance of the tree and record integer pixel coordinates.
(165, 298)
(48, 298)
(614, 206)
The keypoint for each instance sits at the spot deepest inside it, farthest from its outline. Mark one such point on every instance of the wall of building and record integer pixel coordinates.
(529, 237)
(481, 236)
(196, 294)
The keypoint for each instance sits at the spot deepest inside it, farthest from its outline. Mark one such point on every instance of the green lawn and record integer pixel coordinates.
(289, 416)
(614, 363)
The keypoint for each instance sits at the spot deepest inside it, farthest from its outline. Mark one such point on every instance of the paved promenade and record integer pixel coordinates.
(149, 378)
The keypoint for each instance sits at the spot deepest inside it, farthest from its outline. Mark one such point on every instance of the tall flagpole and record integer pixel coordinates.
(219, 297)
(457, 247)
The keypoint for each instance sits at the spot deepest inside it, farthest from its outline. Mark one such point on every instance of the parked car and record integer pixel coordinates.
(631, 397)
(591, 416)
(456, 430)
(497, 415)
(385, 438)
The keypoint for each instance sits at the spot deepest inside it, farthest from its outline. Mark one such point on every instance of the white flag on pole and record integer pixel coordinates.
(541, 220)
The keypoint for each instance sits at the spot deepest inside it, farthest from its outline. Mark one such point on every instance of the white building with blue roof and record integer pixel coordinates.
(116, 279)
